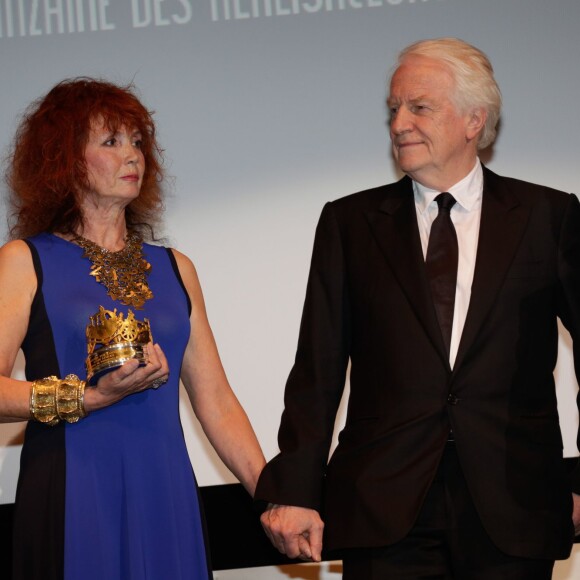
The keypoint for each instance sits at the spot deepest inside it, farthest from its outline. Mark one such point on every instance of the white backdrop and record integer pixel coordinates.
(269, 108)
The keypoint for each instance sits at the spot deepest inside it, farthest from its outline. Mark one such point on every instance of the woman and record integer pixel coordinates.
(106, 489)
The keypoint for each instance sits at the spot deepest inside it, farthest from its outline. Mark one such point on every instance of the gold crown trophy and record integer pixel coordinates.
(112, 340)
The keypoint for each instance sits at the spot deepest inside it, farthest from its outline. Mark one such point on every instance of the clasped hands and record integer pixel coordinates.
(294, 531)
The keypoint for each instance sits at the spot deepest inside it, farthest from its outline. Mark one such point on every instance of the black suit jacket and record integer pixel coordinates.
(368, 302)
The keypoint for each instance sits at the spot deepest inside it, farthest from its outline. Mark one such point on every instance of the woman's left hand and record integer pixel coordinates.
(128, 379)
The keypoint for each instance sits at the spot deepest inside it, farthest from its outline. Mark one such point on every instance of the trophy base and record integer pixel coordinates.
(109, 358)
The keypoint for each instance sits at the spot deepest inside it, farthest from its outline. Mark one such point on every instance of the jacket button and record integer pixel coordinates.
(452, 399)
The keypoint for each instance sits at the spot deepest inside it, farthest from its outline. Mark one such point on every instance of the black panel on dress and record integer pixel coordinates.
(179, 278)
(38, 541)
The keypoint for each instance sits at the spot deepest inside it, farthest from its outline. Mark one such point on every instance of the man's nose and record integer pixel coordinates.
(400, 121)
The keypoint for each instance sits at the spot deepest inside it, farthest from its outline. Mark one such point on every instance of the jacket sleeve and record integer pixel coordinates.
(316, 383)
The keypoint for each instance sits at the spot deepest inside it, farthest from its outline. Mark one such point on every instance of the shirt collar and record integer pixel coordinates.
(467, 192)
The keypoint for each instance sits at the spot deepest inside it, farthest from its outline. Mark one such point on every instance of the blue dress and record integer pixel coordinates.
(112, 497)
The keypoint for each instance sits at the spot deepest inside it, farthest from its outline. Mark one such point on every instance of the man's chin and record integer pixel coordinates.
(408, 167)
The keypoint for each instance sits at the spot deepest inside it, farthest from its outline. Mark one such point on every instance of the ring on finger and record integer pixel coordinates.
(157, 383)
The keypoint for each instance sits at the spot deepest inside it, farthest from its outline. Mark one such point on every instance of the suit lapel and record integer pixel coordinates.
(394, 226)
(503, 222)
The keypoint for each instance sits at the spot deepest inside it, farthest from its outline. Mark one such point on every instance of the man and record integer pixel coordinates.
(450, 463)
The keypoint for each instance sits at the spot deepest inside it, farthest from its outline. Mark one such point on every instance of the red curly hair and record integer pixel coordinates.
(47, 170)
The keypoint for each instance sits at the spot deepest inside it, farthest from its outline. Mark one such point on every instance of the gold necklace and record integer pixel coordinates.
(123, 273)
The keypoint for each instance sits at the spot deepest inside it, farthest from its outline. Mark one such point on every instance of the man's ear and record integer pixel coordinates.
(476, 122)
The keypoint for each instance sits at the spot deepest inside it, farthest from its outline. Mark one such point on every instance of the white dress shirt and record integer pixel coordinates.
(465, 215)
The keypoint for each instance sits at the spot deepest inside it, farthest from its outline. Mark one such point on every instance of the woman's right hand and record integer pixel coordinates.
(128, 379)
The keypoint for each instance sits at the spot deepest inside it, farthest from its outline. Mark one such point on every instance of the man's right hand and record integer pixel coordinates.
(294, 531)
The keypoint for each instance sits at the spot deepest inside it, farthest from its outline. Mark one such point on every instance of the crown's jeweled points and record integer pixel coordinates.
(106, 328)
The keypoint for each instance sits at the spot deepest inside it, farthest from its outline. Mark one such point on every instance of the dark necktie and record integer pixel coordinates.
(441, 265)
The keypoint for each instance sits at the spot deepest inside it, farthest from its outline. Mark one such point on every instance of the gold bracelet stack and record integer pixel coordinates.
(53, 399)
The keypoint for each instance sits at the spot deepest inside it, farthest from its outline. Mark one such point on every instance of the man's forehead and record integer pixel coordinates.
(412, 96)
(417, 80)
